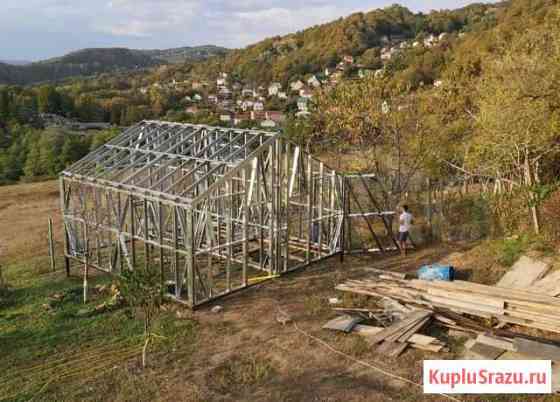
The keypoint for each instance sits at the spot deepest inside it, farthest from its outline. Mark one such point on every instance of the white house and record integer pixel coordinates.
(302, 104)
(314, 82)
(196, 98)
(212, 98)
(282, 95)
(306, 93)
(258, 106)
(438, 83)
(297, 85)
(268, 124)
(225, 117)
(274, 88)
(247, 105)
(248, 92)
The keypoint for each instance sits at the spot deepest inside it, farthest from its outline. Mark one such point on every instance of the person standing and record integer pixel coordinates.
(405, 223)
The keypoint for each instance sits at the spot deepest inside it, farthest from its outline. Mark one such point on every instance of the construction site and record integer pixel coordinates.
(223, 216)
(215, 210)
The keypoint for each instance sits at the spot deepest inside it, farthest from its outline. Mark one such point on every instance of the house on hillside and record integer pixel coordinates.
(438, 83)
(225, 93)
(226, 117)
(302, 104)
(248, 93)
(268, 124)
(297, 85)
(258, 106)
(212, 98)
(430, 41)
(348, 59)
(314, 82)
(239, 118)
(275, 116)
(222, 80)
(247, 105)
(306, 93)
(282, 95)
(197, 98)
(274, 88)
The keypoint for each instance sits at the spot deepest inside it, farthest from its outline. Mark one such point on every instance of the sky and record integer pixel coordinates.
(38, 29)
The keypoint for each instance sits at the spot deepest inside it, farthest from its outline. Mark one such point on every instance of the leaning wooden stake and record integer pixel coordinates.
(51, 245)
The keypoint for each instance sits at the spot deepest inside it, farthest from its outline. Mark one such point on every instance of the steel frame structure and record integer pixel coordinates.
(213, 209)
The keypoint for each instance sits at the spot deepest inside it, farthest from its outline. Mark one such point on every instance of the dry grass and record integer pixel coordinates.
(24, 213)
(241, 354)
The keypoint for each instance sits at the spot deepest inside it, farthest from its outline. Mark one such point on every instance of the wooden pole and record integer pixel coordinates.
(86, 263)
(51, 245)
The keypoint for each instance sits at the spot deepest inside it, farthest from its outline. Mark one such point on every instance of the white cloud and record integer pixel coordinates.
(38, 26)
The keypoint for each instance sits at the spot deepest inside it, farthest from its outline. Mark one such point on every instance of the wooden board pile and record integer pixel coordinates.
(513, 306)
(394, 339)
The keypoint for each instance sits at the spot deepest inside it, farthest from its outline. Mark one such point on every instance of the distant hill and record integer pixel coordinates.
(16, 62)
(182, 54)
(89, 62)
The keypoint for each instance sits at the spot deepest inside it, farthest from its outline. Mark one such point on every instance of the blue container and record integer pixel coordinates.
(436, 272)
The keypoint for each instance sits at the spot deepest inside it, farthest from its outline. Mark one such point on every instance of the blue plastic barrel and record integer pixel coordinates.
(436, 272)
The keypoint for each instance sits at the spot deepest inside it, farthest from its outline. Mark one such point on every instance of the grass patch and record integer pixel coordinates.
(239, 372)
(46, 342)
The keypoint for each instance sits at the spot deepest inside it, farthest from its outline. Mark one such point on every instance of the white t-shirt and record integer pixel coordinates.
(405, 221)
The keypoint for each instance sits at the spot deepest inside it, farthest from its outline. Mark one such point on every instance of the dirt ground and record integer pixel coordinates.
(244, 352)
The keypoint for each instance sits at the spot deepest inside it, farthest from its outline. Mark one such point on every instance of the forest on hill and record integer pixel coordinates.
(361, 35)
(88, 62)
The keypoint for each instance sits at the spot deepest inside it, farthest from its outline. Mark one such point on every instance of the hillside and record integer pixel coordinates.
(89, 62)
(188, 53)
(361, 35)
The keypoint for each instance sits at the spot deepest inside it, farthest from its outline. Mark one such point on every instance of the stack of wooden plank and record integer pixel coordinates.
(513, 306)
(417, 341)
(394, 340)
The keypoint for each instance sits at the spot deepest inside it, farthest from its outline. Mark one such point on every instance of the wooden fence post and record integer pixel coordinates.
(51, 245)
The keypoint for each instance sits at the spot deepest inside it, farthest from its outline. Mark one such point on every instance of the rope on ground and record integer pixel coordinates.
(366, 364)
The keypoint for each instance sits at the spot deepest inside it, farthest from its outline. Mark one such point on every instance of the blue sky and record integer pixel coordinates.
(37, 29)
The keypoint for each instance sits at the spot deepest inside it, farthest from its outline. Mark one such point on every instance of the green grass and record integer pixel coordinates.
(47, 351)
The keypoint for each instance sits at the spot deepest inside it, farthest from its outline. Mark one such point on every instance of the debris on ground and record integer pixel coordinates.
(217, 309)
(408, 307)
(343, 323)
(525, 273)
(511, 306)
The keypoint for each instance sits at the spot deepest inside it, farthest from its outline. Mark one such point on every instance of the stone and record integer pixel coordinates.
(217, 309)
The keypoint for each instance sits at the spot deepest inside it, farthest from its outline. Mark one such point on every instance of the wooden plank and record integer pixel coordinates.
(537, 349)
(416, 339)
(343, 323)
(549, 285)
(391, 349)
(496, 341)
(524, 273)
(398, 327)
(409, 333)
(486, 352)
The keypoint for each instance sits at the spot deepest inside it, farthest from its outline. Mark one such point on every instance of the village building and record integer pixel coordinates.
(314, 82)
(297, 85)
(306, 93)
(258, 106)
(274, 88)
(268, 124)
(302, 104)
